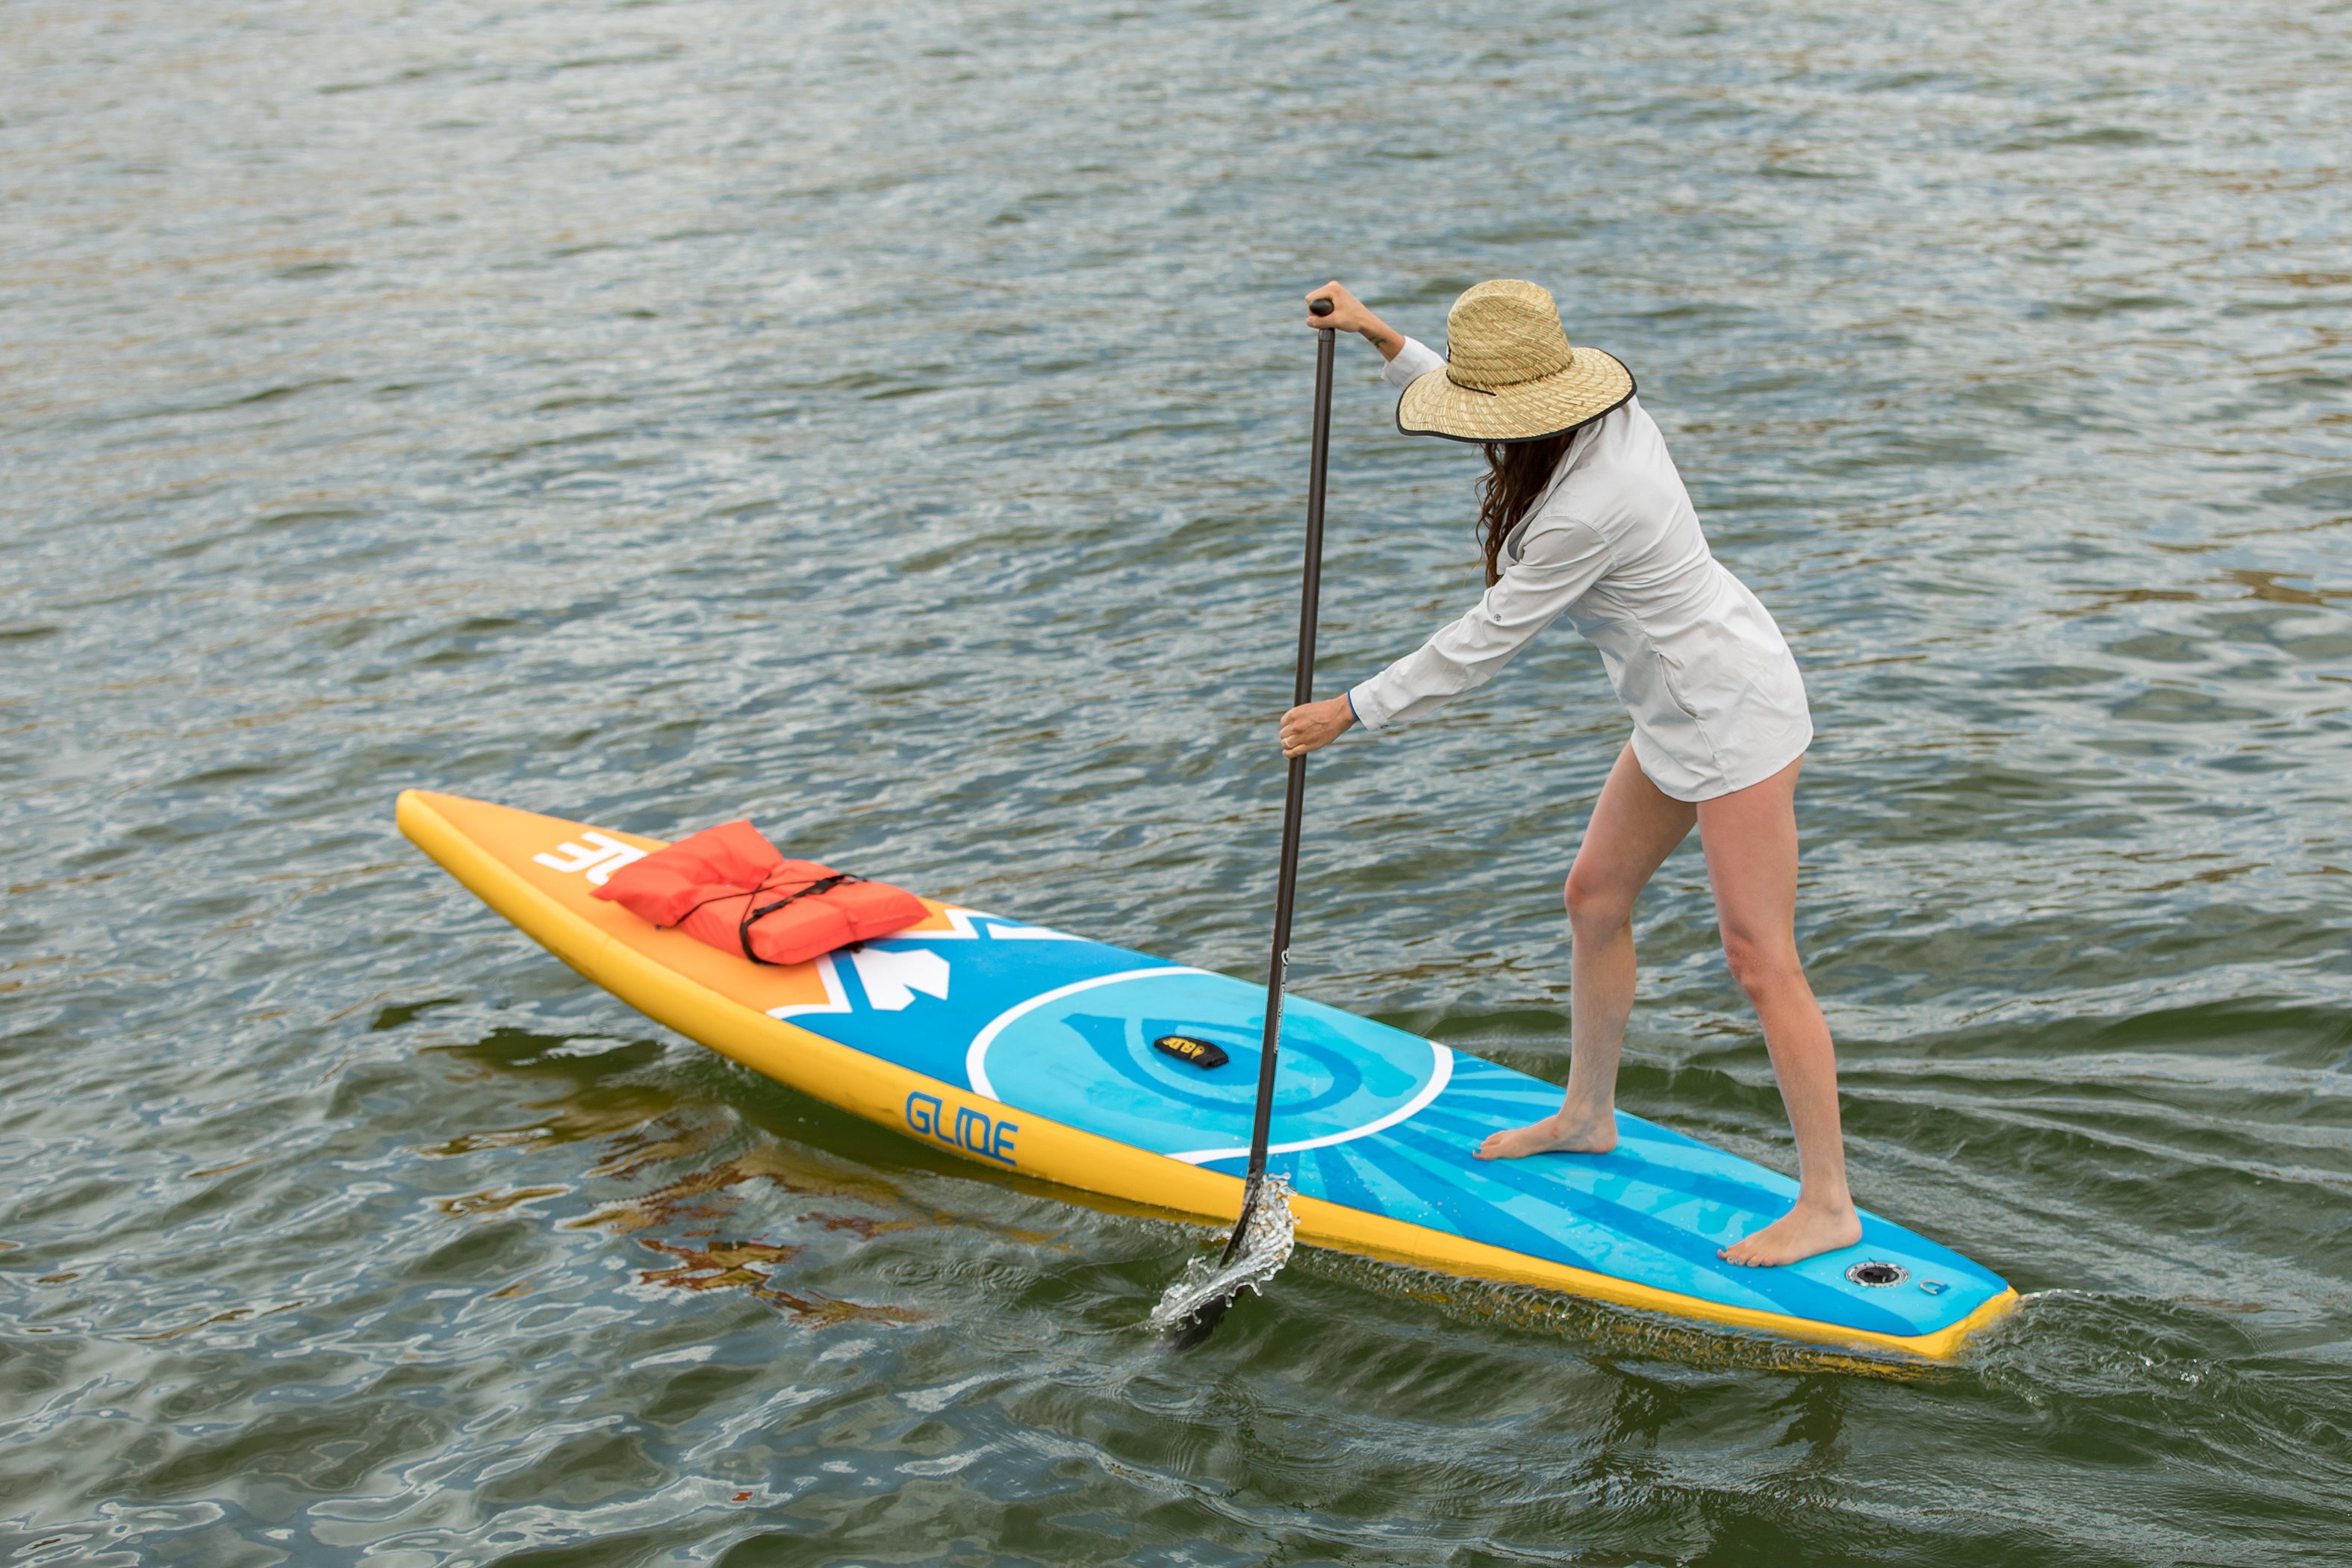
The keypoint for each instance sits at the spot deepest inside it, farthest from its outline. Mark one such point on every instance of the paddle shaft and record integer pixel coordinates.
(1294, 801)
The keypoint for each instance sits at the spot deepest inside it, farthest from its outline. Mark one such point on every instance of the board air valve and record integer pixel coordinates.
(1878, 1274)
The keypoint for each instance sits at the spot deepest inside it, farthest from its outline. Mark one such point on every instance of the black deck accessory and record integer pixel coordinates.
(1201, 1054)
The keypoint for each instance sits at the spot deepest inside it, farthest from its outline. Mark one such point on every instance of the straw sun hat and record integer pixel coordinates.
(1510, 373)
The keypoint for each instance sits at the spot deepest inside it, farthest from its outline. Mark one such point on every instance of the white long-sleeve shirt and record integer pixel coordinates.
(1614, 545)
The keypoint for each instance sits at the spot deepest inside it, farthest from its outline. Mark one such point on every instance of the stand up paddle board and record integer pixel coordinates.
(1113, 1072)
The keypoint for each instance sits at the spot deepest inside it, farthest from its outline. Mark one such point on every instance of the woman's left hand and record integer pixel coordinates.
(1311, 726)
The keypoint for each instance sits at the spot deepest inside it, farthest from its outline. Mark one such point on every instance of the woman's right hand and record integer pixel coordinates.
(1311, 726)
(1348, 314)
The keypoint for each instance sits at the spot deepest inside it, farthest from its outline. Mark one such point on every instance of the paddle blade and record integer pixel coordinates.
(1268, 1231)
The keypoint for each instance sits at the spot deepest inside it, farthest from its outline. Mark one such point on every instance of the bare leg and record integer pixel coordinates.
(1750, 836)
(1635, 825)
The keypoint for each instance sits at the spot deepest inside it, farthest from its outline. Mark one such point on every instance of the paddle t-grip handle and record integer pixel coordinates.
(1320, 307)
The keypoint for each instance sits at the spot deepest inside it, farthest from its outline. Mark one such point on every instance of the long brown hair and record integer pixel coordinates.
(1517, 473)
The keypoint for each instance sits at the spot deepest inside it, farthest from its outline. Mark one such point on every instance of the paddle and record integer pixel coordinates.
(1294, 808)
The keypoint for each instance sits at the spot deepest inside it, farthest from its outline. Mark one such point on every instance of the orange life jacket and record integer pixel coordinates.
(731, 887)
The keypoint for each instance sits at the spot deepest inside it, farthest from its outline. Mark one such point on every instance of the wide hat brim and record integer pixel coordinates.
(1594, 384)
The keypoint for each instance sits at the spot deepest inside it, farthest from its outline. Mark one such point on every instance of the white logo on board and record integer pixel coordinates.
(892, 977)
(600, 857)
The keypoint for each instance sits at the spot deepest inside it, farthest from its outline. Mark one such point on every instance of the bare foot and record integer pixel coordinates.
(1552, 1135)
(1800, 1234)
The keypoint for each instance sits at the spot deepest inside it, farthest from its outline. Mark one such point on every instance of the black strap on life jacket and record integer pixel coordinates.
(752, 916)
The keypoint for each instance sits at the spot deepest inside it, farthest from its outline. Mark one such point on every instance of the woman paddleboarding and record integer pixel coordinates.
(1582, 513)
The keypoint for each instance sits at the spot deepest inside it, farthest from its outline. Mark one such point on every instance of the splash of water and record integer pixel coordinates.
(1265, 1248)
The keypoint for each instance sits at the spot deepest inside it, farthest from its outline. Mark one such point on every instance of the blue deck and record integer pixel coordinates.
(1366, 1116)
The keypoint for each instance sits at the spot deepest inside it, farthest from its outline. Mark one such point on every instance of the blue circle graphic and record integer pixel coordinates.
(1085, 1059)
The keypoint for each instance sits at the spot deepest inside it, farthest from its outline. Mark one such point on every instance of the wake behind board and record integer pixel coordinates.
(1029, 1050)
